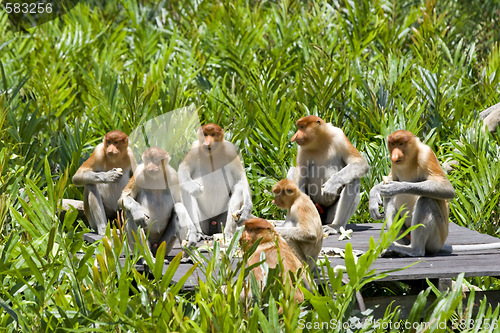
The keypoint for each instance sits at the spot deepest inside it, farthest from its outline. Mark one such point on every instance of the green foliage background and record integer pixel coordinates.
(254, 67)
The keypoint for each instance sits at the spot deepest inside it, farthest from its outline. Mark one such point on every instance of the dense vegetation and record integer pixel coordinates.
(255, 67)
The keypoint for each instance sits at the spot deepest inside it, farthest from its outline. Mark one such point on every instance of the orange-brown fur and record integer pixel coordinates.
(256, 228)
(418, 183)
(419, 163)
(302, 228)
(214, 183)
(152, 200)
(103, 180)
(328, 170)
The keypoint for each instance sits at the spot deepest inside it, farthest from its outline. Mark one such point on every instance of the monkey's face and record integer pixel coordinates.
(285, 193)
(209, 136)
(153, 158)
(307, 130)
(115, 145)
(400, 144)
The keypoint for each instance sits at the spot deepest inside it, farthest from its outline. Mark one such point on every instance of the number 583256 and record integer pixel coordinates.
(25, 8)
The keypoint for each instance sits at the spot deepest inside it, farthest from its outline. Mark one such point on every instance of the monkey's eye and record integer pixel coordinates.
(289, 190)
(401, 143)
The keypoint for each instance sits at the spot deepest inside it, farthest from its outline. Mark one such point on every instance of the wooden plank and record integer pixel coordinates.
(475, 263)
(405, 303)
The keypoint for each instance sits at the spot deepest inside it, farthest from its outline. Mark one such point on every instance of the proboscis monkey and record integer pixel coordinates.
(152, 201)
(418, 182)
(328, 170)
(105, 174)
(256, 228)
(214, 184)
(302, 228)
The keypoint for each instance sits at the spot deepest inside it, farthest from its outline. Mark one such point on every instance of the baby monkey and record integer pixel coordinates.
(302, 228)
(256, 228)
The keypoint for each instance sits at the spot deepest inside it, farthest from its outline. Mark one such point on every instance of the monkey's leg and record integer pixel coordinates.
(131, 227)
(427, 238)
(170, 235)
(341, 212)
(193, 210)
(185, 228)
(234, 212)
(94, 209)
(291, 173)
(391, 211)
(297, 250)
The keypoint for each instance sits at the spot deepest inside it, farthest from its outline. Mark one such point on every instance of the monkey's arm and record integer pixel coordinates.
(436, 189)
(87, 173)
(84, 177)
(243, 188)
(356, 167)
(375, 202)
(133, 162)
(184, 174)
(127, 202)
(297, 234)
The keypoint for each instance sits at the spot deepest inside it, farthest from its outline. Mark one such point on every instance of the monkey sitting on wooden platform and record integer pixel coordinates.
(328, 170)
(105, 174)
(417, 181)
(152, 201)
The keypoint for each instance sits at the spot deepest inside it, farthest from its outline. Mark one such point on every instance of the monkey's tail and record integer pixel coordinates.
(473, 247)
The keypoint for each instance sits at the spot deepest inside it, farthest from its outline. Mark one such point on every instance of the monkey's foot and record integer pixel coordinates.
(392, 251)
(203, 237)
(187, 259)
(330, 229)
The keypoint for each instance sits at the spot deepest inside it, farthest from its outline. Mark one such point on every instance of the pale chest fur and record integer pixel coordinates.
(217, 183)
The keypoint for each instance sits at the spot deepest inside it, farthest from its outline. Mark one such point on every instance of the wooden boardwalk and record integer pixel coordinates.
(475, 263)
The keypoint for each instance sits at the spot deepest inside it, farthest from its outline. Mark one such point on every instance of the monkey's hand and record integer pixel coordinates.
(112, 176)
(192, 237)
(332, 188)
(391, 189)
(135, 209)
(375, 203)
(242, 214)
(193, 188)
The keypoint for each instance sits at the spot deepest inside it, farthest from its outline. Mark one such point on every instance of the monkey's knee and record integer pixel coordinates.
(341, 212)
(432, 236)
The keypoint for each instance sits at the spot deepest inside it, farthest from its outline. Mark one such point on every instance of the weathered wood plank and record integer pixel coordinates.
(475, 263)
(405, 303)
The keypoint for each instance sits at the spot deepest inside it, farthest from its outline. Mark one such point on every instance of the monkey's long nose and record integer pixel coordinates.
(294, 137)
(397, 155)
(112, 151)
(152, 167)
(208, 142)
